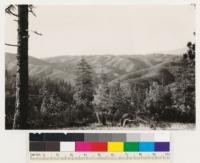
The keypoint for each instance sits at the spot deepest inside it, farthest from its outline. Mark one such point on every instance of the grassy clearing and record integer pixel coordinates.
(170, 126)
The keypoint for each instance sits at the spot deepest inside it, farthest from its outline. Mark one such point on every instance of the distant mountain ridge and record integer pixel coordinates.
(126, 68)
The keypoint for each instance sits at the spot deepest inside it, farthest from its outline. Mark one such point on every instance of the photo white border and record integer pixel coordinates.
(18, 136)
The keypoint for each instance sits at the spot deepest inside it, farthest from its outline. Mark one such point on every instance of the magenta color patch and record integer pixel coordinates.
(83, 146)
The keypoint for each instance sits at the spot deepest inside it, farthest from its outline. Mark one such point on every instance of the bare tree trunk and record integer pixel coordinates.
(21, 110)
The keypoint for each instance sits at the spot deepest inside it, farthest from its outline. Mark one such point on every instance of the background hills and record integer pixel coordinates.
(126, 68)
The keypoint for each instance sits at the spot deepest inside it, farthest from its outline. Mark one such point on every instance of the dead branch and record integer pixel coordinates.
(12, 13)
(36, 32)
(136, 120)
(11, 45)
(9, 10)
(31, 7)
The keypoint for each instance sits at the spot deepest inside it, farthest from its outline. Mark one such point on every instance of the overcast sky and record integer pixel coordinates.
(133, 29)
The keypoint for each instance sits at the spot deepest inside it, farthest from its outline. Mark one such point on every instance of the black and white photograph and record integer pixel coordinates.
(100, 67)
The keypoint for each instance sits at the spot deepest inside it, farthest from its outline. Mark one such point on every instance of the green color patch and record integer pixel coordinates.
(131, 146)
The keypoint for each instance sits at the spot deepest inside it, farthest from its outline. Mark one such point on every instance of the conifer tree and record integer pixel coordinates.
(84, 92)
(21, 106)
(102, 99)
(84, 84)
(21, 111)
(154, 101)
(119, 102)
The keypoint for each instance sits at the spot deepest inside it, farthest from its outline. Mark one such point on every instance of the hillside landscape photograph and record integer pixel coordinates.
(105, 67)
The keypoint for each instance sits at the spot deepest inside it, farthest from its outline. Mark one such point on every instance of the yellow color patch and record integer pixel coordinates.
(115, 146)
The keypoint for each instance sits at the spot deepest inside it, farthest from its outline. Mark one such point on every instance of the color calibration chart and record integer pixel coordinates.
(106, 147)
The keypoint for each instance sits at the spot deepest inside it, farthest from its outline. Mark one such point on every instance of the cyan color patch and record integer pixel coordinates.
(146, 147)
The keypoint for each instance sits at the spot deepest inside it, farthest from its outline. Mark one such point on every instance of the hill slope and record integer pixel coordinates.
(126, 68)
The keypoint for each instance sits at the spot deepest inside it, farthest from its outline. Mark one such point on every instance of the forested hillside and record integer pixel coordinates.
(127, 90)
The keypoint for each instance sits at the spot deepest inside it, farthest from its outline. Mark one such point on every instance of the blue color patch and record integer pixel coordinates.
(146, 147)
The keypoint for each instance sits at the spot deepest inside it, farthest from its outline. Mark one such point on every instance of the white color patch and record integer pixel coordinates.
(67, 146)
(162, 137)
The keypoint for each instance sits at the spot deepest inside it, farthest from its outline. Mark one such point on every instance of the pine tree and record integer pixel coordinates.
(84, 92)
(116, 95)
(51, 102)
(21, 109)
(84, 84)
(136, 96)
(119, 101)
(45, 100)
(185, 94)
(154, 101)
(52, 108)
(20, 117)
(102, 99)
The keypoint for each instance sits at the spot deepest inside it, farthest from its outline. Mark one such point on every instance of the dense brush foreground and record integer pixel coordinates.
(108, 91)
